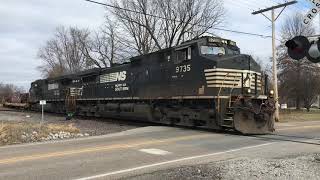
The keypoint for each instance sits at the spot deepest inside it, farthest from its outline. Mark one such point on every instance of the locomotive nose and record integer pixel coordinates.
(241, 61)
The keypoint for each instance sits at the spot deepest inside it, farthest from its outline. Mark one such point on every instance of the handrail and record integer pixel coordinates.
(218, 97)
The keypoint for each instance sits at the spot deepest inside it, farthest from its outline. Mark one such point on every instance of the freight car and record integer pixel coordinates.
(204, 82)
(18, 100)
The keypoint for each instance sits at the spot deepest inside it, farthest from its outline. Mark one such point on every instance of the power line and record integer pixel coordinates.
(241, 32)
(247, 4)
(236, 4)
(256, 4)
(164, 18)
(243, 4)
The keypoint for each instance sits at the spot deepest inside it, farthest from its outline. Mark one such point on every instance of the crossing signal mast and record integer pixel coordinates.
(274, 60)
(300, 47)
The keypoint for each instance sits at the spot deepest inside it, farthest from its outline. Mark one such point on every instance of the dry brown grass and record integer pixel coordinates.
(295, 115)
(12, 132)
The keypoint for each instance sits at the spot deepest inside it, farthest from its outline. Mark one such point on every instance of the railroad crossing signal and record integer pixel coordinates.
(297, 47)
(312, 12)
(300, 47)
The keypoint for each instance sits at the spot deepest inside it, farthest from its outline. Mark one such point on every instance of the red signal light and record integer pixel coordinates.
(298, 47)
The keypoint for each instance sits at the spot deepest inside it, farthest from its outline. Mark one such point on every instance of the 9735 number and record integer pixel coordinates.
(183, 68)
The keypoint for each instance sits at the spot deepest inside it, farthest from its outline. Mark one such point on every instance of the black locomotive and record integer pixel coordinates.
(204, 82)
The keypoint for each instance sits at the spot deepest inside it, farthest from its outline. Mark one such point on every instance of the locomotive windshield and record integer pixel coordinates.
(213, 50)
(219, 46)
(218, 50)
(233, 51)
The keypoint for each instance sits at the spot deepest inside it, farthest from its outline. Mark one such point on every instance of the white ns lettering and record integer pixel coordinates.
(121, 76)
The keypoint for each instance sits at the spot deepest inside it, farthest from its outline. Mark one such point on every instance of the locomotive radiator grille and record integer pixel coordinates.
(231, 78)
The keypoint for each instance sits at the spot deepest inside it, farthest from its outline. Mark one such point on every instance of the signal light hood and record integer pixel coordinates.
(314, 53)
(298, 47)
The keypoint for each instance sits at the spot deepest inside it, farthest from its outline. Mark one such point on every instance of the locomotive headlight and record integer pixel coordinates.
(271, 92)
(247, 91)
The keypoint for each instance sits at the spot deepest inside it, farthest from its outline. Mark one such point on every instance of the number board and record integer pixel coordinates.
(183, 68)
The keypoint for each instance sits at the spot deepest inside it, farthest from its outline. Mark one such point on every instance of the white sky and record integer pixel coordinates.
(25, 25)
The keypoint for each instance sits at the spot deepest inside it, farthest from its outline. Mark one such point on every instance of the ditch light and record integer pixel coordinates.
(300, 47)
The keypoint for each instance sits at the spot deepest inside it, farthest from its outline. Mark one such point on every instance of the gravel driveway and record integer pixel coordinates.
(299, 167)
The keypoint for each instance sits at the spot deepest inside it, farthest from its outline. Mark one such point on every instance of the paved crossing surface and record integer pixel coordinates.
(148, 149)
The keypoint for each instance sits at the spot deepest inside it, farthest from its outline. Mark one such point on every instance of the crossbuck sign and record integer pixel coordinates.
(313, 11)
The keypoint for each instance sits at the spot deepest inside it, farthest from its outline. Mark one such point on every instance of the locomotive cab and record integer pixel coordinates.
(36, 90)
(240, 88)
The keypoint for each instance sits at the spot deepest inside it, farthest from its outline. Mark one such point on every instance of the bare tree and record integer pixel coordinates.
(140, 27)
(265, 67)
(188, 17)
(105, 47)
(295, 76)
(147, 26)
(62, 54)
(311, 84)
(7, 91)
(157, 24)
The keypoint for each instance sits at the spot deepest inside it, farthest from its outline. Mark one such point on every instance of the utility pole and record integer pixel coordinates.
(319, 23)
(274, 59)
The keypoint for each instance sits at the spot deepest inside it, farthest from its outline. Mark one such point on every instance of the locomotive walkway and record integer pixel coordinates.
(148, 149)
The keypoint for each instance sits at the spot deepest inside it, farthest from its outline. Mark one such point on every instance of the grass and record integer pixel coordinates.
(13, 132)
(299, 115)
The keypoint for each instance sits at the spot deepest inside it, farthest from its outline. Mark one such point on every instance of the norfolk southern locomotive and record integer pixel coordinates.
(204, 82)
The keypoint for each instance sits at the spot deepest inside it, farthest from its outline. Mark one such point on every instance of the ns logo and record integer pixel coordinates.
(121, 76)
(113, 77)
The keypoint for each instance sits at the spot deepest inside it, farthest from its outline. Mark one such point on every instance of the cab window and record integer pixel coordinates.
(233, 51)
(183, 55)
(212, 50)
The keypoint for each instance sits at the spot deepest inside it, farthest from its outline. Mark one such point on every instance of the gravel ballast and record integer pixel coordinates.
(300, 167)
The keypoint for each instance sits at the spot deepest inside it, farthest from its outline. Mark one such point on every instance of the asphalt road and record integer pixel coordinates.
(149, 149)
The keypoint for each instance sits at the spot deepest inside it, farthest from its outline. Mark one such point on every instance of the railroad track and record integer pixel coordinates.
(270, 136)
(289, 138)
(10, 110)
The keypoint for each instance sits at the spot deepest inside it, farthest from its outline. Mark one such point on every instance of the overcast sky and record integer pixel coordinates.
(25, 25)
